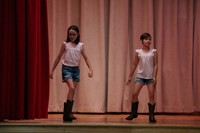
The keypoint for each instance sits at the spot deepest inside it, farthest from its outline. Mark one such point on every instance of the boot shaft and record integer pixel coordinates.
(134, 107)
(67, 111)
(151, 107)
(151, 112)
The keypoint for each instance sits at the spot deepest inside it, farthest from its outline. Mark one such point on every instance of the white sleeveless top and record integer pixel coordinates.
(72, 54)
(146, 63)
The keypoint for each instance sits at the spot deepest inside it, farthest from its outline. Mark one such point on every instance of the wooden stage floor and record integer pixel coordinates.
(105, 123)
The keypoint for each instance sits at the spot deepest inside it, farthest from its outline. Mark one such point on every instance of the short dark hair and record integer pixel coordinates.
(75, 28)
(145, 36)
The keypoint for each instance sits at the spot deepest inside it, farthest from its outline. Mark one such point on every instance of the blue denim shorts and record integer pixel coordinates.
(69, 72)
(144, 81)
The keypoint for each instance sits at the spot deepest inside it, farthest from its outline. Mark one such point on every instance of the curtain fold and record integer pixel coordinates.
(118, 43)
(196, 57)
(95, 49)
(25, 59)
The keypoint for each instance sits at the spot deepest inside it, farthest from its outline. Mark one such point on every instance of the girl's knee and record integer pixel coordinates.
(151, 97)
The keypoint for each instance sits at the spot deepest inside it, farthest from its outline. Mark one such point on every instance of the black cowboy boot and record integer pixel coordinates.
(67, 111)
(71, 114)
(151, 112)
(133, 113)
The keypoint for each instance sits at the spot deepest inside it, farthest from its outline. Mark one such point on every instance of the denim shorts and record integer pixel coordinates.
(69, 72)
(144, 81)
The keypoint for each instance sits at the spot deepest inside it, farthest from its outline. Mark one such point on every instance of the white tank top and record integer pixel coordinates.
(146, 63)
(72, 54)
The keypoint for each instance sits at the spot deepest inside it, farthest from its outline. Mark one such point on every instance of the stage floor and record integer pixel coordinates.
(106, 123)
(175, 119)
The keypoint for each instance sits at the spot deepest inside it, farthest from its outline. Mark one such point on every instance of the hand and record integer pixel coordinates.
(51, 75)
(129, 81)
(90, 74)
(154, 81)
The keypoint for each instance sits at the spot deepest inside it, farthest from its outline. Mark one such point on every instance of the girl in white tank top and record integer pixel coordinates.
(146, 62)
(71, 51)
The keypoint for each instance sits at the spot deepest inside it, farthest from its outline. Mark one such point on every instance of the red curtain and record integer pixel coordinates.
(24, 57)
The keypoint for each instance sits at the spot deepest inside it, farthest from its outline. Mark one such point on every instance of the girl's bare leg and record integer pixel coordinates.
(134, 106)
(68, 105)
(151, 90)
(71, 91)
(136, 91)
(151, 104)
